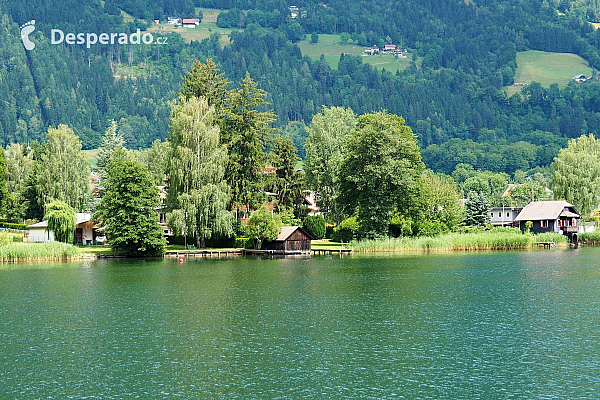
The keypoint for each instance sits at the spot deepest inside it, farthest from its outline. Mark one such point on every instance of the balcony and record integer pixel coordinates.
(569, 229)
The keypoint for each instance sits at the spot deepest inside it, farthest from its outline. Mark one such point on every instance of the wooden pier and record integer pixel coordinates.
(241, 252)
(546, 245)
(202, 253)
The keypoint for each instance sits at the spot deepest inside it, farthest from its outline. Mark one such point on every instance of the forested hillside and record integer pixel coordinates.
(451, 95)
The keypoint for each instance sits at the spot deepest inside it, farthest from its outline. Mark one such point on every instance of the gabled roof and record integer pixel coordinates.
(79, 217)
(287, 231)
(541, 210)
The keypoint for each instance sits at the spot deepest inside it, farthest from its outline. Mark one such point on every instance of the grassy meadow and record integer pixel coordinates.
(331, 47)
(207, 27)
(547, 68)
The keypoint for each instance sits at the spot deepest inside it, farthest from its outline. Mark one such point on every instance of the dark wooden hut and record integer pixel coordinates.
(291, 240)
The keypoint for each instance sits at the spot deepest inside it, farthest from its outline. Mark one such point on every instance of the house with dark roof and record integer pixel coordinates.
(291, 240)
(550, 216)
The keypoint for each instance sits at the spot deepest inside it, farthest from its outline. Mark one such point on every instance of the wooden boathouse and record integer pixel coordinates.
(291, 240)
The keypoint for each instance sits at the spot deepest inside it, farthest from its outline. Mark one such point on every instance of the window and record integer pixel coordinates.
(499, 215)
(544, 224)
(507, 215)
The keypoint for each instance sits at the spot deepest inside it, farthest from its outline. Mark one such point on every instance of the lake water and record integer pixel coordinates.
(478, 325)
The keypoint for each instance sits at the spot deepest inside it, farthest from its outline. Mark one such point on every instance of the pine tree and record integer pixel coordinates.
(111, 142)
(206, 80)
(245, 132)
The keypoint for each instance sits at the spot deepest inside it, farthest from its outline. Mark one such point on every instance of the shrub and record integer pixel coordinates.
(346, 231)
(329, 231)
(244, 243)
(10, 225)
(431, 228)
(314, 225)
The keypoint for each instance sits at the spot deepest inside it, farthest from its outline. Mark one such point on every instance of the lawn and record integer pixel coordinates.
(331, 47)
(547, 68)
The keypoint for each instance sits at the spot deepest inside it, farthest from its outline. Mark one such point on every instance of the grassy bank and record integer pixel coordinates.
(52, 251)
(490, 240)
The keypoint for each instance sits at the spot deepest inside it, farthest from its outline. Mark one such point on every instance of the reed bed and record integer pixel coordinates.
(551, 237)
(491, 240)
(52, 251)
(590, 238)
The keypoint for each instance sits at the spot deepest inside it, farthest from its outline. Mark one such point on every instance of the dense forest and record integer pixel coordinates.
(451, 95)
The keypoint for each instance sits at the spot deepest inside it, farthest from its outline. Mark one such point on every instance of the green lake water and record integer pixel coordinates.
(472, 326)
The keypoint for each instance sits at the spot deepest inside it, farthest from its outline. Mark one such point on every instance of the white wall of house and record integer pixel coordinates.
(40, 235)
(87, 235)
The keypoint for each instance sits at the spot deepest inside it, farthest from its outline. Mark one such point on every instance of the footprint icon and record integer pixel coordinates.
(26, 29)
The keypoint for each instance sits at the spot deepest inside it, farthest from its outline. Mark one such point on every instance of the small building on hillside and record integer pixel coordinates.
(173, 20)
(504, 216)
(86, 231)
(389, 47)
(191, 22)
(579, 78)
(291, 240)
(550, 216)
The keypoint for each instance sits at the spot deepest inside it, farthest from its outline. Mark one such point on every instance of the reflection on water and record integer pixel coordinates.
(484, 325)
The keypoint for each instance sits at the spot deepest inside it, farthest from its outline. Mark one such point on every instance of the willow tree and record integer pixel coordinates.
(65, 172)
(198, 195)
(576, 174)
(327, 136)
(61, 220)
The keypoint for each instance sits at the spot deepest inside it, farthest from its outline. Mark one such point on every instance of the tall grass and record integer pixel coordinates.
(51, 251)
(592, 238)
(550, 237)
(491, 240)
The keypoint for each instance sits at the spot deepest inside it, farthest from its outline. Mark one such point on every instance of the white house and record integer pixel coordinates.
(191, 22)
(86, 232)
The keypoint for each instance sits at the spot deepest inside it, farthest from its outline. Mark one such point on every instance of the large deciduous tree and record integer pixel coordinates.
(576, 174)
(64, 170)
(127, 211)
(438, 208)
(325, 148)
(380, 171)
(19, 166)
(198, 195)
(263, 225)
